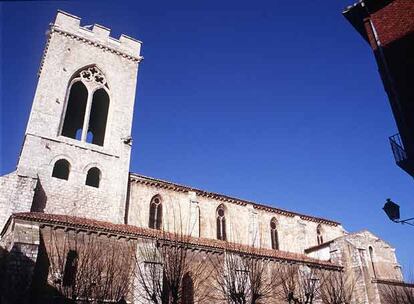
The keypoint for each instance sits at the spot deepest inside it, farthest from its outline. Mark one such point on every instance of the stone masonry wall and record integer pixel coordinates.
(352, 252)
(16, 195)
(69, 49)
(295, 234)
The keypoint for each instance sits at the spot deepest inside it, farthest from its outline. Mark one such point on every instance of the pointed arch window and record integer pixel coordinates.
(75, 110)
(319, 234)
(87, 107)
(61, 169)
(187, 289)
(274, 234)
(221, 223)
(155, 216)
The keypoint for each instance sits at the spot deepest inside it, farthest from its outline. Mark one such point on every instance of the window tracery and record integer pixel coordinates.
(221, 223)
(274, 234)
(87, 107)
(155, 216)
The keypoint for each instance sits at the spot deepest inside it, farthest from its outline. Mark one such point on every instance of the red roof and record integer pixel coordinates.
(134, 231)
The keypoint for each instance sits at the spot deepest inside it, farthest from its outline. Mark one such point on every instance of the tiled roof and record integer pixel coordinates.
(317, 247)
(135, 232)
(181, 188)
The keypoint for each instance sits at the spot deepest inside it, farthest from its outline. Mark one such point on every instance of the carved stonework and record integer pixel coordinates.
(93, 75)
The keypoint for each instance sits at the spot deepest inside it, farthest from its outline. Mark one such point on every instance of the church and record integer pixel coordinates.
(72, 189)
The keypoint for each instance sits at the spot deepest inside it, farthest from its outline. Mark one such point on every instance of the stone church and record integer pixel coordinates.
(72, 179)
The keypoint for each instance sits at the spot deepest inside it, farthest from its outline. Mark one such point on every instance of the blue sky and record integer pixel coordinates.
(279, 102)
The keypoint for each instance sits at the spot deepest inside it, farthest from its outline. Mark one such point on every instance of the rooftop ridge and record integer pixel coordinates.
(223, 197)
(135, 231)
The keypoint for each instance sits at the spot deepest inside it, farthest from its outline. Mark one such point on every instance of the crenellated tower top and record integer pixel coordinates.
(78, 138)
(68, 24)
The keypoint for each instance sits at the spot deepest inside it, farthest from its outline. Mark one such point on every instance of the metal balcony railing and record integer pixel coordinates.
(403, 159)
(397, 148)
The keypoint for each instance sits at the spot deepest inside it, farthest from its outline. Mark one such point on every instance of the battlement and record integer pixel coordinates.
(69, 24)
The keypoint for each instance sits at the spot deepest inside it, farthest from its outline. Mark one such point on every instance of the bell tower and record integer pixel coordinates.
(78, 138)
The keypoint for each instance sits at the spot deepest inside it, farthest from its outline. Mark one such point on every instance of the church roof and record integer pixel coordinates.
(222, 197)
(349, 237)
(132, 232)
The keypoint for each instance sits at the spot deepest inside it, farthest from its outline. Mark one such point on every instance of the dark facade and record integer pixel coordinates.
(388, 27)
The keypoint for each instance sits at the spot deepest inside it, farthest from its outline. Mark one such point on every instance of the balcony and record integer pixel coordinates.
(403, 160)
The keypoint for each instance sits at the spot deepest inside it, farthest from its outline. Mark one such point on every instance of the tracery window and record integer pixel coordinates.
(61, 169)
(155, 216)
(319, 234)
(221, 223)
(274, 234)
(87, 107)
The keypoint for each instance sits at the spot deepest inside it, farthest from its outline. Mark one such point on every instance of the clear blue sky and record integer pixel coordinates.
(279, 102)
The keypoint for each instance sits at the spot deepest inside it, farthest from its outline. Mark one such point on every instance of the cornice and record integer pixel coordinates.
(79, 224)
(54, 29)
(153, 182)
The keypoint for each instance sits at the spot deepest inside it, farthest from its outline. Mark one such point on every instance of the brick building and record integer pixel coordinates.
(72, 203)
(388, 27)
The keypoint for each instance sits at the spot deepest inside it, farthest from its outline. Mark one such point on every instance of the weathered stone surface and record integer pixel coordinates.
(246, 223)
(71, 48)
(124, 198)
(367, 258)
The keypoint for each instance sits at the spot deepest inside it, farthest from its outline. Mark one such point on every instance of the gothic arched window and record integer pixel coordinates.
(87, 107)
(99, 115)
(155, 216)
(187, 289)
(319, 234)
(221, 223)
(273, 234)
(61, 169)
(93, 177)
(75, 110)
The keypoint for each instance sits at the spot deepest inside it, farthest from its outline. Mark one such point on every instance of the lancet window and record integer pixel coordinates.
(87, 107)
(319, 235)
(155, 216)
(221, 223)
(274, 234)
